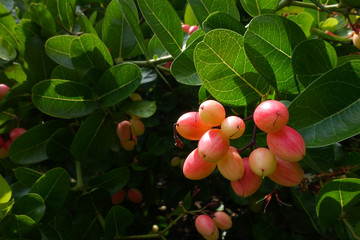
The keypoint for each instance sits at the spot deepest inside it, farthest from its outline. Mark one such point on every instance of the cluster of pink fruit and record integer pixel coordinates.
(133, 195)
(5, 144)
(128, 131)
(189, 29)
(214, 130)
(209, 227)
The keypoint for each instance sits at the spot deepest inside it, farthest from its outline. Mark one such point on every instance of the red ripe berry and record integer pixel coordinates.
(123, 130)
(193, 29)
(118, 197)
(222, 220)
(213, 145)
(205, 225)
(7, 144)
(288, 174)
(3, 90)
(196, 168)
(185, 27)
(16, 132)
(168, 64)
(271, 116)
(134, 195)
(190, 126)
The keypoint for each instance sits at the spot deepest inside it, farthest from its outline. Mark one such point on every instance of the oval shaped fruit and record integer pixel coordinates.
(231, 166)
(185, 27)
(212, 112)
(287, 144)
(248, 184)
(123, 130)
(287, 174)
(137, 126)
(16, 132)
(192, 29)
(190, 126)
(213, 145)
(356, 40)
(271, 116)
(118, 197)
(196, 168)
(233, 127)
(205, 225)
(262, 162)
(222, 220)
(134, 195)
(129, 145)
(3, 90)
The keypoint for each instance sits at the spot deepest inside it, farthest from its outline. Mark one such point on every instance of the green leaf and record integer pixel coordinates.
(326, 120)
(344, 59)
(5, 209)
(132, 18)
(16, 72)
(336, 198)
(118, 83)
(142, 109)
(116, 32)
(92, 139)
(66, 10)
(16, 226)
(116, 221)
(189, 17)
(320, 159)
(58, 49)
(88, 51)
(31, 205)
(7, 51)
(203, 8)
(165, 23)
(29, 148)
(85, 24)
(269, 42)
(58, 147)
(156, 49)
(41, 15)
(183, 67)
(53, 186)
(259, 7)
(304, 20)
(63, 98)
(26, 176)
(61, 72)
(5, 191)
(112, 181)
(311, 59)
(225, 70)
(7, 27)
(222, 20)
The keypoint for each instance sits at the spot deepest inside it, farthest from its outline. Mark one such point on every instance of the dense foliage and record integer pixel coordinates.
(72, 71)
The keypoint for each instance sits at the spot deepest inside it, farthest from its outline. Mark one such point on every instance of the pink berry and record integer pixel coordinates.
(185, 27)
(3, 90)
(271, 116)
(16, 132)
(7, 144)
(190, 126)
(212, 112)
(193, 29)
(123, 130)
(134, 195)
(205, 225)
(231, 166)
(233, 127)
(196, 168)
(213, 145)
(288, 174)
(118, 197)
(222, 220)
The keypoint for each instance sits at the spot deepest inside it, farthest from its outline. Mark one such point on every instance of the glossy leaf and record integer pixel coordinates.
(116, 221)
(5, 191)
(58, 49)
(258, 7)
(156, 49)
(326, 120)
(16, 72)
(116, 32)
(92, 139)
(132, 18)
(30, 147)
(31, 205)
(189, 17)
(225, 70)
(7, 27)
(304, 20)
(16, 226)
(222, 20)
(340, 196)
(41, 15)
(164, 22)
(66, 10)
(320, 159)
(269, 43)
(53, 186)
(7, 51)
(85, 24)
(203, 8)
(142, 109)
(26, 176)
(311, 59)
(88, 51)
(63, 98)
(118, 83)
(112, 181)
(58, 147)
(61, 72)
(183, 67)
(5, 209)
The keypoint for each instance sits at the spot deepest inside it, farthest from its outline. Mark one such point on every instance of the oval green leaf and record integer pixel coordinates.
(30, 147)
(41, 15)
(7, 51)
(31, 205)
(327, 111)
(222, 20)
(116, 221)
(142, 109)
(225, 70)
(258, 7)
(5, 190)
(58, 49)
(85, 23)
(269, 42)
(7, 27)
(58, 147)
(27, 176)
(53, 186)
(165, 23)
(63, 98)
(88, 51)
(66, 10)
(311, 59)
(16, 226)
(118, 83)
